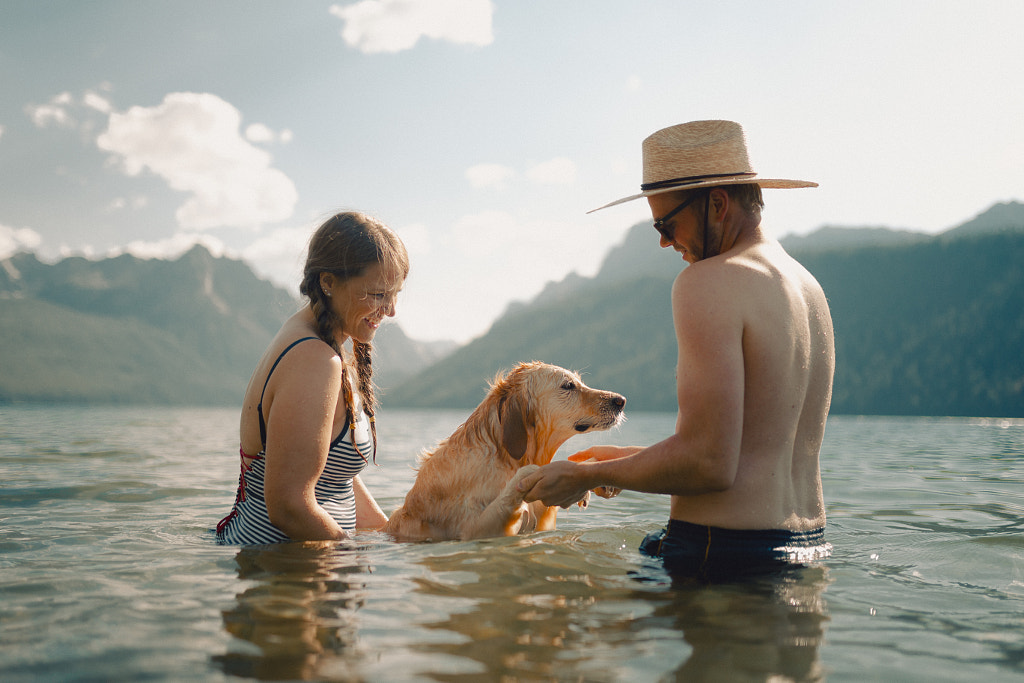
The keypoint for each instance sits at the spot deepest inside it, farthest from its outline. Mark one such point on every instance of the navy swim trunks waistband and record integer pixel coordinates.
(712, 553)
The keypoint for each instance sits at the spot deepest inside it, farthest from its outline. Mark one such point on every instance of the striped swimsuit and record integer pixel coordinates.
(248, 523)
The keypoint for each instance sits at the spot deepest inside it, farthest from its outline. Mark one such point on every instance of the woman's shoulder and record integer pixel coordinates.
(293, 349)
(304, 350)
(297, 338)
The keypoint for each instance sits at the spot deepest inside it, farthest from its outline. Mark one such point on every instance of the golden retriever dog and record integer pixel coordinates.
(466, 486)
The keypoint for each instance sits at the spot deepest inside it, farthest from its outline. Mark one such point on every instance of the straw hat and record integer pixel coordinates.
(699, 154)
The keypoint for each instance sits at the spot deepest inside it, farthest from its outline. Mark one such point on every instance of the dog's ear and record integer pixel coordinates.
(514, 434)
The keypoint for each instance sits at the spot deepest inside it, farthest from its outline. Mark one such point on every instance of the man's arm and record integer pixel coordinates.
(703, 454)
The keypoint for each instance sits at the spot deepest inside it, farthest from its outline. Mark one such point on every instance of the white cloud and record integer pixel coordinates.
(59, 110)
(85, 250)
(257, 132)
(416, 238)
(193, 141)
(13, 240)
(497, 257)
(171, 247)
(97, 102)
(280, 254)
(634, 84)
(557, 171)
(481, 234)
(54, 113)
(119, 203)
(489, 175)
(374, 26)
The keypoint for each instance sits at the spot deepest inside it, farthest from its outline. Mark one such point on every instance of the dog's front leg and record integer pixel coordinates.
(546, 516)
(506, 514)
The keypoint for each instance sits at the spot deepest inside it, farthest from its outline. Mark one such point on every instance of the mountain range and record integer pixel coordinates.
(129, 330)
(925, 325)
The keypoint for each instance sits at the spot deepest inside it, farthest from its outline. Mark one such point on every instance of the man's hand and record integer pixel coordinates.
(566, 482)
(558, 483)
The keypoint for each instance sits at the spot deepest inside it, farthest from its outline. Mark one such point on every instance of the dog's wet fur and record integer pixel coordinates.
(466, 486)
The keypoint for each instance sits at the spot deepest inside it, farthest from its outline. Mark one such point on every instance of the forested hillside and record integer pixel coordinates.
(925, 325)
(128, 330)
(936, 328)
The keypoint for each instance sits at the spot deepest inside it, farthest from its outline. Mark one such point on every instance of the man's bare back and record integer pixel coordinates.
(784, 334)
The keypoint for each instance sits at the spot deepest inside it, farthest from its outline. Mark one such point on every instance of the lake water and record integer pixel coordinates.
(108, 569)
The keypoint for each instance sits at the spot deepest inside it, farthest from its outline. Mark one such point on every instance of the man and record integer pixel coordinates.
(754, 374)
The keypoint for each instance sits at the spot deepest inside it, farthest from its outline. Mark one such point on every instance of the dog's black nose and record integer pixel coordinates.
(619, 401)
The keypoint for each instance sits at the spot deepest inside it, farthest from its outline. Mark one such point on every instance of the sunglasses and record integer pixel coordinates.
(660, 225)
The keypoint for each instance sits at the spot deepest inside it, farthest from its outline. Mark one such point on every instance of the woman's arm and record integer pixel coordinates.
(303, 398)
(368, 513)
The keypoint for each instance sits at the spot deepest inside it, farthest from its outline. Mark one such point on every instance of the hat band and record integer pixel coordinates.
(661, 184)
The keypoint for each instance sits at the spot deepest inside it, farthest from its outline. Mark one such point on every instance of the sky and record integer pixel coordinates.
(482, 131)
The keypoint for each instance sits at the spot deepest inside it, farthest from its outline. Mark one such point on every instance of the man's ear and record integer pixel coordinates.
(718, 205)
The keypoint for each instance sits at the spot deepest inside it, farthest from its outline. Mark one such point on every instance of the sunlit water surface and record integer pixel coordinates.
(108, 569)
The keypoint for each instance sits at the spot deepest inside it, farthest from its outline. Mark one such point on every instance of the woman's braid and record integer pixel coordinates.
(364, 368)
(345, 245)
(325, 328)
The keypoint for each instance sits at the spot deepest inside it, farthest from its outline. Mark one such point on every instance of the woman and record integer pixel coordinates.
(307, 419)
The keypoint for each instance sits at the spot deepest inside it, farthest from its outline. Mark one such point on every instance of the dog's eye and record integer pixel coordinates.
(568, 385)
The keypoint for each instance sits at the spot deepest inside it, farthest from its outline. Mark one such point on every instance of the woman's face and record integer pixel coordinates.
(361, 303)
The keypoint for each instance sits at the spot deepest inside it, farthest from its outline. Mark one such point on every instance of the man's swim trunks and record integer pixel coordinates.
(711, 553)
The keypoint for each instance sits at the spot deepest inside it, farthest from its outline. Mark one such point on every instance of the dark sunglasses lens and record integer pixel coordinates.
(661, 225)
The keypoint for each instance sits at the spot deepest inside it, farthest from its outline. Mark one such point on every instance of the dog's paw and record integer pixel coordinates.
(523, 472)
(607, 491)
(512, 487)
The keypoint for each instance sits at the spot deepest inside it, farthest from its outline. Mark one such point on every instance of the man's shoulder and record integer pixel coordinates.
(732, 268)
(710, 287)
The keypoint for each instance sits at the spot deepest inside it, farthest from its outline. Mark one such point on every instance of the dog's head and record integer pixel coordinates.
(539, 406)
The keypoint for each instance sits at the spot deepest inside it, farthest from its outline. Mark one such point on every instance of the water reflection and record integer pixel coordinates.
(527, 610)
(299, 612)
(766, 628)
(554, 613)
(572, 606)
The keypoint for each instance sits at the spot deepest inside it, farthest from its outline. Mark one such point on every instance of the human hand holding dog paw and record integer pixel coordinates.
(554, 484)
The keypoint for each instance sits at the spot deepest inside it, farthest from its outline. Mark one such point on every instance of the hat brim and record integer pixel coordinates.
(769, 183)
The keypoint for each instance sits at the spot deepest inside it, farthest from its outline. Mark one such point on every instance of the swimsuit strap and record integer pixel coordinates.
(259, 408)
